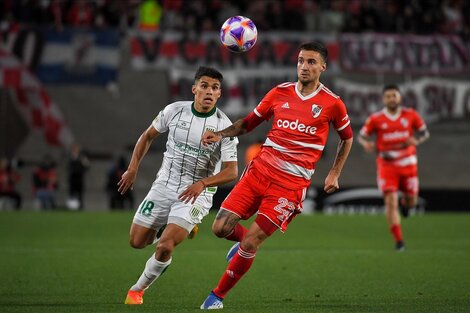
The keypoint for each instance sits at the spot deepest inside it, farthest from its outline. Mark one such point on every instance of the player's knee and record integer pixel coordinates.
(136, 243)
(221, 230)
(249, 245)
(165, 248)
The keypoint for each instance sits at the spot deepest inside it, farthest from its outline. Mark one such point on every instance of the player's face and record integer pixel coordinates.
(392, 99)
(206, 92)
(310, 65)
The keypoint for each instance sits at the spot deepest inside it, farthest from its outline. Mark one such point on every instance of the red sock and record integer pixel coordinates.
(239, 265)
(396, 232)
(238, 233)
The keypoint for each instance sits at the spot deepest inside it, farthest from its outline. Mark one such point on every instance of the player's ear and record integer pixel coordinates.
(323, 67)
(193, 89)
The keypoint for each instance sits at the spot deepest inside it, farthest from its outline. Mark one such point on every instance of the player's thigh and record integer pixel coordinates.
(280, 206)
(246, 196)
(409, 182)
(140, 236)
(187, 215)
(388, 178)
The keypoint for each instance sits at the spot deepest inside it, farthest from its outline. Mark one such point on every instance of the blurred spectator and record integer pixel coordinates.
(330, 16)
(80, 14)
(8, 180)
(150, 13)
(45, 183)
(117, 200)
(56, 10)
(77, 167)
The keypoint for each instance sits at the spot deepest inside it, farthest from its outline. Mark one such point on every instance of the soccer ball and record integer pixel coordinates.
(238, 34)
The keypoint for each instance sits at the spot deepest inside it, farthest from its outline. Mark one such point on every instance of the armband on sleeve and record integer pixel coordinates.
(251, 121)
(346, 133)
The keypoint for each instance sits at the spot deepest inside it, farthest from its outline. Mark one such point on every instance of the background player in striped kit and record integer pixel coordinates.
(182, 192)
(397, 132)
(275, 183)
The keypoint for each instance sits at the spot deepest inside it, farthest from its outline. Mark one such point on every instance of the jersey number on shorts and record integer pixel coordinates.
(285, 208)
(146, 207)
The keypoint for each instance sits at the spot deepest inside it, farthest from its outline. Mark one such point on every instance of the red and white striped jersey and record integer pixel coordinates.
(299, 132)
(391, 132)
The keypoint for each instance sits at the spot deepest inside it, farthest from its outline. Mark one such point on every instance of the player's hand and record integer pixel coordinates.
(209, 137)
(411, 141)
(369, 146)
(192, 192)
(331, 183)
(127, 181)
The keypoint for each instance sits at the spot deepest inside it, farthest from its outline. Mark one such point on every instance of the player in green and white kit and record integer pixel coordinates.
(182, 193)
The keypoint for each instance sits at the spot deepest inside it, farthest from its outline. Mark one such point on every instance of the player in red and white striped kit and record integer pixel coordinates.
(397, 132)
(275, 183)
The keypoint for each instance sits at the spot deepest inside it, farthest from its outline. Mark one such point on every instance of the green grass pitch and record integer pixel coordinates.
(81, 262)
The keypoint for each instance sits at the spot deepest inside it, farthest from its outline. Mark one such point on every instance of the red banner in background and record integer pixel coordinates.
(404, 54)
(435, 99)
(164, 50)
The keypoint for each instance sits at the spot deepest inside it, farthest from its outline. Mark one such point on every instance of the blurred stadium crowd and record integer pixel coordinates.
(401, 16)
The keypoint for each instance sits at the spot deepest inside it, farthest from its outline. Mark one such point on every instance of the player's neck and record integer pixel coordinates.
(306, 89)
(393, 112)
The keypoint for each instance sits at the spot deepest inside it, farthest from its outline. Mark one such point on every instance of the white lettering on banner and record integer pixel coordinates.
(295, 125)
(385, 53)
(434, 98)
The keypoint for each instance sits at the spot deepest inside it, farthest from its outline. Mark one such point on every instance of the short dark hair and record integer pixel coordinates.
(316, 46)
(209, 72)
(390, 87)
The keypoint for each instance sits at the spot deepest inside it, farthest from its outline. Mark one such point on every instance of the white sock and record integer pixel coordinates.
(153, 270)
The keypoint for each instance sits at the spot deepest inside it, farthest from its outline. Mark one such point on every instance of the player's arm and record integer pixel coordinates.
(262, 112)
(420, 136)
(344, 147)
(331, 181)
(227, 174)
(140, 150)
(366, 142)
(240, 127)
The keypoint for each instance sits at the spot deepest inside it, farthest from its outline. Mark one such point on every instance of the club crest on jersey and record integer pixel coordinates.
(316, 110)
(404, 122)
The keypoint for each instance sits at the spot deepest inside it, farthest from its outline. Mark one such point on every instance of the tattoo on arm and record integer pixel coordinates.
(237, 128)
(344, 146)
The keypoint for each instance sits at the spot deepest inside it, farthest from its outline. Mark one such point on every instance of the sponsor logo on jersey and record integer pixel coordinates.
(396, 135)
(285, 105)
(295, 125)
(183, 125)
(384, 126)
(316, 110)
(185, 148)
(210, 128)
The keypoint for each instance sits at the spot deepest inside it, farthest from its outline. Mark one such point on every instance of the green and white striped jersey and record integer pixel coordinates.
(186, 160)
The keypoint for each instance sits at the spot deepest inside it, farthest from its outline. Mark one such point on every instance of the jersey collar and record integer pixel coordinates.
(313, 94)
(199, 114)
(392, 117)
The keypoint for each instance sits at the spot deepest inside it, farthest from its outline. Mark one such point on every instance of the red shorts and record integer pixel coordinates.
(257, 193)
(391, 178)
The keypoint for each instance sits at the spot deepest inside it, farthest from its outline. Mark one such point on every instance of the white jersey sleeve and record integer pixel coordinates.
(162, 121)
(228, 149)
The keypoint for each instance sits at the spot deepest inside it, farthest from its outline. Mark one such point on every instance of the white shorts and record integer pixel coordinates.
(162, 206)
